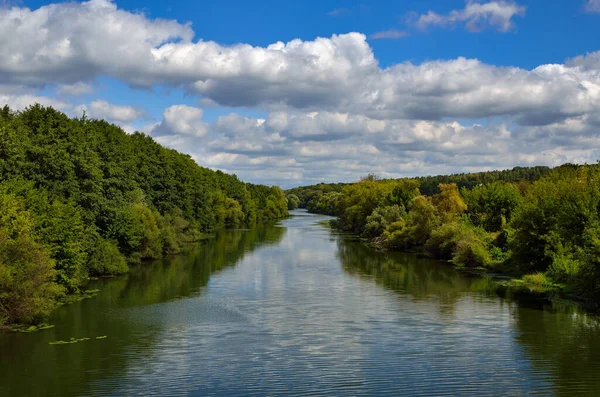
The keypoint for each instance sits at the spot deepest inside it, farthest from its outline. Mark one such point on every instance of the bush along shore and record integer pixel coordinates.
(542, 229)
(80, 198)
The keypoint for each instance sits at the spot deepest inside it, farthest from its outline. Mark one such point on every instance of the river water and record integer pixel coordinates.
(294, 309)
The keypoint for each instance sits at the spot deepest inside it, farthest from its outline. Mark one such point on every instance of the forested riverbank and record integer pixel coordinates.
(537, 224)
(80, 198)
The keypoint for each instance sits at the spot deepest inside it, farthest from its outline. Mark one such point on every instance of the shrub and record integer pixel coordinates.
(105, 259)
(381, 218)
(27, 289)
(537, 279)
(471, 252)
(564, 268)
(443, 240)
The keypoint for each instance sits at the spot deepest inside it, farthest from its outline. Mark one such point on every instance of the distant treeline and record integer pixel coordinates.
(310, 197)
(538, 223)
(81, 198)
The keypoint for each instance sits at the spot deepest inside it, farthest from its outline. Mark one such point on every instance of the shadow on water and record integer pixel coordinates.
(30, 366)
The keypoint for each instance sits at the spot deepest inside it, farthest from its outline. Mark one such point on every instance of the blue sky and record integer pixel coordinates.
(398, 88)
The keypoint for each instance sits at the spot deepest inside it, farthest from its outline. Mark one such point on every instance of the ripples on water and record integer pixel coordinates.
(295, 310)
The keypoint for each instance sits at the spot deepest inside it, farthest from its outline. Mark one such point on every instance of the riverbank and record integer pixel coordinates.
(545, 232)
(260, 311)
(538, 287)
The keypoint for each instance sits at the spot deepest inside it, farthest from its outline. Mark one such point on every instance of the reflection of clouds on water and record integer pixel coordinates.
(295, 309)
(317, 323)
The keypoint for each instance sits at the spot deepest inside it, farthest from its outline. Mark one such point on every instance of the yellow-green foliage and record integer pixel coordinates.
(443, 240)
(423, 219)
(381, 218)
(27, 288)
(471, 252)
(537, 279)
(448, 203)
(228, 212)
(359, 200)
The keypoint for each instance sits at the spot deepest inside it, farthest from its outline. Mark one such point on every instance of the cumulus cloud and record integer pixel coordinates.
(389, 34)
(180, 120)
(476, 16)
(333, 112)
(299, 148)
(71, 42)
(336, 74)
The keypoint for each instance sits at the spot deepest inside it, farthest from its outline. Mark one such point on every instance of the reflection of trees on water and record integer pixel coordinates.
(563, 343)
(405, 273)
(97, 360)
(184, 275)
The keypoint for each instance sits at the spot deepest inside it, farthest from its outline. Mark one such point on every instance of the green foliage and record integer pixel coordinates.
(404, 191)
(326, 204)
(443, 241)
(359, 200)
(423, 220)
(270, 202)
(106, 259)
(306, 194)
(471, 252)
(429, 185)
(293, 201)
(538, 279)
(525, 220)
(448, 203)
(91, 197)
(491, 206)
(382, 218)
(558, 218)
(27, 288)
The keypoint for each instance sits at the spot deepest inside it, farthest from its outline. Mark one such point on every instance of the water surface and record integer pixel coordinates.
(294, 309)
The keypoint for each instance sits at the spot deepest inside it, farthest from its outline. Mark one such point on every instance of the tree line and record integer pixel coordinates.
(80, 198)
(537, 223)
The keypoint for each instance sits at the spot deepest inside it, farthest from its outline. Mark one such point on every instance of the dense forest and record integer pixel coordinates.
(81, 198)
(537, 223)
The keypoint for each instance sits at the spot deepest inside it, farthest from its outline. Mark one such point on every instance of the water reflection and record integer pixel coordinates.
(32, 367)
(559, 339)
(299, 310)
(564, 345)
(405, 273)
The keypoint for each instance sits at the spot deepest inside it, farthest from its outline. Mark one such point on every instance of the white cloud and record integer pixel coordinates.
(592, 6)
(79, 88)
(333, 112)
(389, 34)
(71, 42)
(476, 16)
(322, 146)
(180, 120)
(22, 101)
(100, 109)
(337, 74)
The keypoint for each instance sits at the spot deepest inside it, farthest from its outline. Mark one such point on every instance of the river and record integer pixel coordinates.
(295, 309)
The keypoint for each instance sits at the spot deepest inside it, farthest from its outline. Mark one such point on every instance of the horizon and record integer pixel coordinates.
(299, 94)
